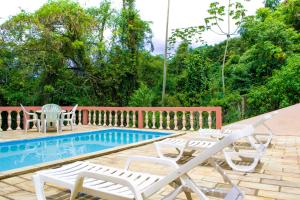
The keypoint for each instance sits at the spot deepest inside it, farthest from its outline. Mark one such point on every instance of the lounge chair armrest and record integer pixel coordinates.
(154, 160)
(110, 178)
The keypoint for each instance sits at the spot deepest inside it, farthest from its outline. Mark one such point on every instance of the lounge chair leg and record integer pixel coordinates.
(77, 188)
(172, 195)
(39, 187)
(188, 195)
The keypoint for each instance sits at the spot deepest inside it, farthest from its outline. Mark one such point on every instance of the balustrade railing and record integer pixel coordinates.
(171, 118)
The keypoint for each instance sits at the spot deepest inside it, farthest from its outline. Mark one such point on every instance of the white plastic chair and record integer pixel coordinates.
(69, 117)
(34, 119)
(51, 115)
(123, 184)
(231, 154)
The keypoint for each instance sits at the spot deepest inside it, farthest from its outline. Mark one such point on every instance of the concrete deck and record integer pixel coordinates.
(276, 177)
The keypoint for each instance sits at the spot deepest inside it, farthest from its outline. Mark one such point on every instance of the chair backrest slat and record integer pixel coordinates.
(51, 112)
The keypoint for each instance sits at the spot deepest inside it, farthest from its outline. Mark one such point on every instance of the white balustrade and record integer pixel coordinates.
(79, 117)
(200, 120)
(183, 121)
(9, 121)
(192, 120)
(116, 118)
(94, 117)
(104, 120)
(18, 120)
(121, 117)
(153, 120)
(168, 120)
(110, 118)
(160, 120)
(175, 121)
(146, 120)
(209, 119)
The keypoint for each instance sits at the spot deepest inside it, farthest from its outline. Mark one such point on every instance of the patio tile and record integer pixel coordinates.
(259, 186)
(281, 183)
(13, 180)
(291, 190)
(21, 195)
(5, 188)
(278, 195)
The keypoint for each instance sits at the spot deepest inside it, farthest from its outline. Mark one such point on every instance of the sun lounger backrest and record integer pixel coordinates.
(203, 156)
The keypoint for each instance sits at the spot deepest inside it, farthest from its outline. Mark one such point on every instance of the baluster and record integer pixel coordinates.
(104, 120)
(110, 118)
(183, 121)
(153, 119)
(79, 117)
(133, 119)
(1, 121)
(160, 120)
(209, 119)
(68, 118)
(175, 121)
(146, 119)
(18, 120)
(122, 120)
(94, 118)
(127, 119)
(200, 120)
(116, 118)
(168, 120)
(99, 118)
(192, 121)
(9, 120)
(90, 117)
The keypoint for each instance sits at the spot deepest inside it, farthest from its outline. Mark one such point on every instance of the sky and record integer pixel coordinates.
(183, 13)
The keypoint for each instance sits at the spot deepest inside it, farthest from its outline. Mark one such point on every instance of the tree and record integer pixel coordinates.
(272, 4)
(235, 12)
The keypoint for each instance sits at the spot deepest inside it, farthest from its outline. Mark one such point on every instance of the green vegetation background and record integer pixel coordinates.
(60, 54)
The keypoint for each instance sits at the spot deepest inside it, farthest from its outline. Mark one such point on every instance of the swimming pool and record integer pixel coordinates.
(22, 153)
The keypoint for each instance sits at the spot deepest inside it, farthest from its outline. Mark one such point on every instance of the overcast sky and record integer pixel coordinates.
(183, 13)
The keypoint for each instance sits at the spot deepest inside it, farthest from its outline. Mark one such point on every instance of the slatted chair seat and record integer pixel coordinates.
(66, 176)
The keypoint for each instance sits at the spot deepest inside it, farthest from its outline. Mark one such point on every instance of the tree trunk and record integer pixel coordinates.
(223, 64)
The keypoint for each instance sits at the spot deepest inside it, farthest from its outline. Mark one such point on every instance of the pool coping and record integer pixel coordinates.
(57, 163)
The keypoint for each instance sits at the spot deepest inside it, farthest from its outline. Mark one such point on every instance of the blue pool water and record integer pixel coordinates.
(21, 153)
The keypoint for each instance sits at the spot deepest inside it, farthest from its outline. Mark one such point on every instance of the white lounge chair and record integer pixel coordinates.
(231, 154)
(69, 117)
(255, 139)
(111, 183)
(51, 116)
(34, 119)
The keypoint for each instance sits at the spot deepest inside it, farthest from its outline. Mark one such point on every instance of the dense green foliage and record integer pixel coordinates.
(61, 54)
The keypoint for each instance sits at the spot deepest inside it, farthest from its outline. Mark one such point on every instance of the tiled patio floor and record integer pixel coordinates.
(277, 176)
